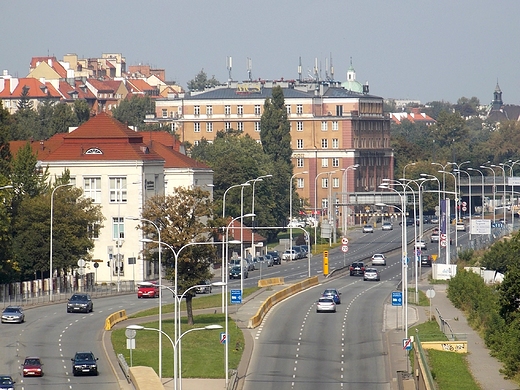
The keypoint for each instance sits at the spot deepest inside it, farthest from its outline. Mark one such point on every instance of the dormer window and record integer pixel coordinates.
(94, 151)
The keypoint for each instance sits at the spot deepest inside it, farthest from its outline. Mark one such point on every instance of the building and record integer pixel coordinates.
(332, 129)
(119, 169)
(414, 116)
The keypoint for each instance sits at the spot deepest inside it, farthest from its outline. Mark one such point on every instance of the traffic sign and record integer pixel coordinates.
(443, 243)
(407, 344)
(344, 248)
(344, 240)
(236, 296)
(397, 298)
(223, 338)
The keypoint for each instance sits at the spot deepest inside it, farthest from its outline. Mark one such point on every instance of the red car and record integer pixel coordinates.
(147, 290)
(32, 366)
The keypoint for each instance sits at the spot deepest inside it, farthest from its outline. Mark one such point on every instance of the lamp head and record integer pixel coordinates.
(212, 327)
(135, 327)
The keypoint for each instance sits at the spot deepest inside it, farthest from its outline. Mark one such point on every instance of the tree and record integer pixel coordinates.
(509, 291)
(81, 111)
(182, 218)
(63, 117)
(132, 112)
(201, 81)
(25, 102)
(24, 125)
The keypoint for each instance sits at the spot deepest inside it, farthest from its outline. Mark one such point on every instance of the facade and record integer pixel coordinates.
(119, 169)
(332, 129)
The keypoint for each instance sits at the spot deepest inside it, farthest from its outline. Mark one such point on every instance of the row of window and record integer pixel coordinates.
(324, 143)
(300, 162)
(117, 186)
(240, 126)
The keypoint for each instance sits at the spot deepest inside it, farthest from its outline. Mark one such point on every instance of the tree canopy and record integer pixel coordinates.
(201, 81)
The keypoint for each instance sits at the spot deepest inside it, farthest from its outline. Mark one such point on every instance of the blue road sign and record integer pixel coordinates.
(236, 296)
(223, 338)
(407, 344)
(397, 298)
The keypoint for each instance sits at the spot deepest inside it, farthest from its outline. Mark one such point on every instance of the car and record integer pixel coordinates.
(420, 244)
(269, 260)
(325, 304)
(357, 268)
(435, 236)
(13, 314)
(378, 259)
(32, 366)
(147, 290)
(235, 272)
(387, 226)
(204, 287)
(461, 227)
(305, 249)
(276, 257)
(84, 363)
(80, 303)
(426, 261)
(250, 264)
(334, 294)
(371, 274)
(289, 254)
(299, 252)
(409, 222)
(6, 382)
(434, 219)
(368, 229)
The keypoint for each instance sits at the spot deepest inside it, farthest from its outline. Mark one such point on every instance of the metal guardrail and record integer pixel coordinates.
(124, 366)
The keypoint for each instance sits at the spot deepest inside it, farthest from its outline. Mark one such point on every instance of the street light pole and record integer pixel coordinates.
(290, 206)
(259, 178)
(316, 204)
(51, 279)
(494, 190)
(501, 166)
(482, 174)
(344, 226)
(469, 202)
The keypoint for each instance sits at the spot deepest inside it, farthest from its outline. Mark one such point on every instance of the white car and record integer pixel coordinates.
(387, 226)
(420, 244)
(289, 254)
(461, 227)
(368, 229)
(378, 259)
(326, 304)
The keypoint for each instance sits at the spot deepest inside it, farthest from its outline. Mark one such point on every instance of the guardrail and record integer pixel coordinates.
(114, 318)
(124, 366)
(270, 282)
(278, 297)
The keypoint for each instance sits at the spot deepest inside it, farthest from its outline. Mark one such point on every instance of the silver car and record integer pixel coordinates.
(325, 304)
(371, 274)
(269, 260)
(13, 314)
(378, 259)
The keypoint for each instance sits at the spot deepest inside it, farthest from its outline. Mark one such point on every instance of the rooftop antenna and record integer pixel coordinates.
(300, 69)
(331, 68)
(249, 66)
(229, 65)
(327, 68)
(316, 78)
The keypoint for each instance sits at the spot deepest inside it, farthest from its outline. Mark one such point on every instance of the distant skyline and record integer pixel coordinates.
(405, 49)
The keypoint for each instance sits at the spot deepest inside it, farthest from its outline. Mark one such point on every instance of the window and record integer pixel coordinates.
(299, 144)
(196, 127)
(335, 162)
(299, 126)
(240, 126)
(164, 113)
(300, 163)
(288, 108)
(117, 190)
(240, 110)
(335, 143)
(227, 110)
(335, 126)
(257, 109)
(93, 230)
(209, 127)
(299, 109)
(209, 110)
(118, 228)
(335, 182)
(228, 126)
(196, 142)
(324, 162)
(257, 126)
(339, 110)
(325, 182)
(196, 110)
(324, 126)
(300, 182)
(324, 143)
(92, 188)
(324, 203)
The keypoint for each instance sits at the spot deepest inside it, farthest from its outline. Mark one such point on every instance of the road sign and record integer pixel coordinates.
(443, 243)
(397, 298)
(223, 338)
(344, 240)
(344, 248)
(236, 296)
(430, 293)
(407, 344)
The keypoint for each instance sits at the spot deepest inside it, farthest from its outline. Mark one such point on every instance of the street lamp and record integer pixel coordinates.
(494, 189)
(50, 245)
(501, 166)
(443, 177)
(449, 218)
(345, 197)
(259, 178)
(407, 165)
(160, 283)
(316, 203)
(290, 205)
(482, 174)
(174, 343)
(469, 203)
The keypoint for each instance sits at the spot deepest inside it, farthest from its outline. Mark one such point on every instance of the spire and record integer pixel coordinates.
(497, 102)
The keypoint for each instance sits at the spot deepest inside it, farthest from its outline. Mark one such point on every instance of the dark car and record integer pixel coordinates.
(32, 366)
(80, 303)
(426, 261)
(84, 363)
(357, 268)
(276, 257)
(332, 293)
(6, 382)
(234, 272)
(204, 287)
(13, 314)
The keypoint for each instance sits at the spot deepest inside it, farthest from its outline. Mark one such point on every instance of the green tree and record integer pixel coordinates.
(81, 111)
(63, 118)
(132, 112)
(509, 291)
(5, 152)
(25, 102)
(24, 125)
(201, 81)
(182, 218)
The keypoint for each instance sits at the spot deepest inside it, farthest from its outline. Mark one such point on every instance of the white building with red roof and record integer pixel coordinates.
(119, 169)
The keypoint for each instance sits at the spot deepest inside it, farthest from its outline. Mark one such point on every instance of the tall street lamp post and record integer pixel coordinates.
(494, 191)
(290, 206)
(469, 199)
(51, 279)
(344, 226)
(448, 255)
(482, 190)
(316, 203)
(501, 166)
(259, 178)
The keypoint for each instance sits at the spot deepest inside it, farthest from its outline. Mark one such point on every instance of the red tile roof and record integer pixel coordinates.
(138, 85)
(101, 86)
(36, 89)
(54, 64)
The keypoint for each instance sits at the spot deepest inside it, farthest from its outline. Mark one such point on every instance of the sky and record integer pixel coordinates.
(405, 49)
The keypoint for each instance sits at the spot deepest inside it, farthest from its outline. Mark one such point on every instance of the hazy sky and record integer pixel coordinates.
(405, 49)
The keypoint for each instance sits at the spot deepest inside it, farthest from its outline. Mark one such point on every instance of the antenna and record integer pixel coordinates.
(229, 65)
(331, 68)
(300, 69)
(316, 78)
(327, 69)
(249, 66)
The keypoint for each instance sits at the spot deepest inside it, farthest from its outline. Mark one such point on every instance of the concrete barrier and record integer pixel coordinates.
(114, 318)
(278, 297)
(270, 282)
(145, 378)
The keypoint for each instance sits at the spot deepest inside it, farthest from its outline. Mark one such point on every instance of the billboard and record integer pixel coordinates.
(480, 226)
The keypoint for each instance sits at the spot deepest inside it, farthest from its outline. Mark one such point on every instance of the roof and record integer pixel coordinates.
(52, 62)
(36, 89)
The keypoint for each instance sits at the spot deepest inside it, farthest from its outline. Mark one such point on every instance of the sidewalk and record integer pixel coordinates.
(484, 367)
